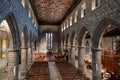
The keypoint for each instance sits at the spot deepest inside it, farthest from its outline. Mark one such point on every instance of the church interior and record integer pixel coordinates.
(59, 39)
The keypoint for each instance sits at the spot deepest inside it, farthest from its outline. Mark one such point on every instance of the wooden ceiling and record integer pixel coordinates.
(53, 11)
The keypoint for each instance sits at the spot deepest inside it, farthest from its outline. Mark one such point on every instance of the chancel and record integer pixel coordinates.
(59, 39)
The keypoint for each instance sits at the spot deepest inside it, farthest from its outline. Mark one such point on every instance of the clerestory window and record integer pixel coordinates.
(83, 10)
(95, 4)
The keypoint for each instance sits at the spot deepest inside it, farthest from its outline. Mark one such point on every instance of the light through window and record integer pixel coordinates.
(95, 4)
(49, 38)
(83, 10)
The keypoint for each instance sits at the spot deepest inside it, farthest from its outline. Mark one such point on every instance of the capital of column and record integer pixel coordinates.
(24, 48)
(31, 46)
(97, 49)
(64, 45)
(72, 45)
(68, 46)
(13, 50)
(81, 47)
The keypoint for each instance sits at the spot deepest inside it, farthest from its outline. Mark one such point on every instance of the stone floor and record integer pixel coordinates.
(3, 69)
(3, 73)
(88, 72)
(54, 73)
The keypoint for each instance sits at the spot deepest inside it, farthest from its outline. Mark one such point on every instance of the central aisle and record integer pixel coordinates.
(54, 73)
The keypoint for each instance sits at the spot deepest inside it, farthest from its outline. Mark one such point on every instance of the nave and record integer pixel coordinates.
(54, 70)
(84, 32)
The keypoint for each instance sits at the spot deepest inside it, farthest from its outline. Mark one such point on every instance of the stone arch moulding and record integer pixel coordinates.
(25, 33)
(100, 29)
(82, 35)
(14, 30)
(14, 49)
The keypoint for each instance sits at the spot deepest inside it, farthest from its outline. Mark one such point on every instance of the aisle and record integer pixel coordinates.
(54, 73)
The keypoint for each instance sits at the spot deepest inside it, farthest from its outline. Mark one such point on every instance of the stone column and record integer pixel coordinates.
(13, 64)
(33, 56)
(68, 49)
(32, 49)
(24, 62)
(81, 59)
(30, 56)
(96, 64)
(73, 55)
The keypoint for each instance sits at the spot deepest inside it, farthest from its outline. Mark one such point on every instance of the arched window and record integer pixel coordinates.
(95, 4)
(83, 10)
(75, 17)
(23, 3)
(71, 21)
(29, 11)
(29, 14)
(35, 25)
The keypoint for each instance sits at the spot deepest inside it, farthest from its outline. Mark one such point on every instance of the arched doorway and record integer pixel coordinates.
(105, 49)
(9, 48)
(84, 53)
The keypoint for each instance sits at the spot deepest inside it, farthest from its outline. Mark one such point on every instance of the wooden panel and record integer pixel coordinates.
(52, 10)
(111, 61)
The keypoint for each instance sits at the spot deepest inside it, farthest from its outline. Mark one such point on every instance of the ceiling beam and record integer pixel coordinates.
(48, 23)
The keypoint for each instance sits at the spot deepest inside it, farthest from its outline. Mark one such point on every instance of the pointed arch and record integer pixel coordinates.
(82, 35)
(14, 30)
(14, 44)
(100, 30)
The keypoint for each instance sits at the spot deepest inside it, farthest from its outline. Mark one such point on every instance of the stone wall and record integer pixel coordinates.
(43, 43)
(3, 63)
(19, 12)
(107, 9)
